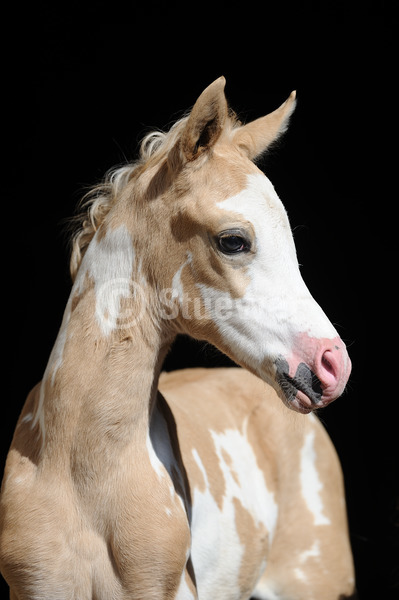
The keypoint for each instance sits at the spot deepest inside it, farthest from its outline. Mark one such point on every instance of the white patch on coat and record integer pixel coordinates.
(266, 590)
(299, 574)
(214, 530)
(109, 263)
(214, 535)
(243, 478)
(177, 285)
(313, 552)
(311, 485)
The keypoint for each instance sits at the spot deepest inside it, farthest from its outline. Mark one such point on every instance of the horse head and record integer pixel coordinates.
(215, 249)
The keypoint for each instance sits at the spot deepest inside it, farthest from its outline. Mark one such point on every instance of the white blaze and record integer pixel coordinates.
(276, 305)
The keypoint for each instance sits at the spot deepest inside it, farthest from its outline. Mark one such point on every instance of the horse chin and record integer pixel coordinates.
(292, 398)
(300, 403)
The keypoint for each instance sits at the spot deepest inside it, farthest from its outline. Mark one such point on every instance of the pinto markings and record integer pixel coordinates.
(244, 480)
(311, 485)
(214, 535)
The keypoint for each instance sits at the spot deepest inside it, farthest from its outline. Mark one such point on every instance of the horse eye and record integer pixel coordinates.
(232, 244)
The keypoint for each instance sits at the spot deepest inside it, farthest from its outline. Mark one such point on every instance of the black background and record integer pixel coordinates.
(82, 85)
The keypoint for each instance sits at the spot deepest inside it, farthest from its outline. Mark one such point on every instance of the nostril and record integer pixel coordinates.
(329, 366)
(326, 363)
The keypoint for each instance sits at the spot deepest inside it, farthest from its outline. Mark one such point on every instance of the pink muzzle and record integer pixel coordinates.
(315, 374)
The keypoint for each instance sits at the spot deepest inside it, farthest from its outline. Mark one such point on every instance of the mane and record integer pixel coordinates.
(96, 204)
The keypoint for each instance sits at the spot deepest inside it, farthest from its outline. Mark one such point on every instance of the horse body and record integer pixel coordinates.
(113, 489)
(268, 509)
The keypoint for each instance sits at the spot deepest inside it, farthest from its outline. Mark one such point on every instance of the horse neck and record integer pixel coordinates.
(100, 384)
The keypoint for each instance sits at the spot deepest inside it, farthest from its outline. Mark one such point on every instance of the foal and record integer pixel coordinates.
(121, 483)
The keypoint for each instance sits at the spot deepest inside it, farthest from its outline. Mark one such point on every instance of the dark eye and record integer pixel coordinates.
(232, 244)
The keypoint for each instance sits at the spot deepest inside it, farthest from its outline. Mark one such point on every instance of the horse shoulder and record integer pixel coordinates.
(25, 512)
(21, 466)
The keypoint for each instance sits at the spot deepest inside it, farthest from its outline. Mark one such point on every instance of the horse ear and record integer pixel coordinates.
(254, 138)
(205, 122)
